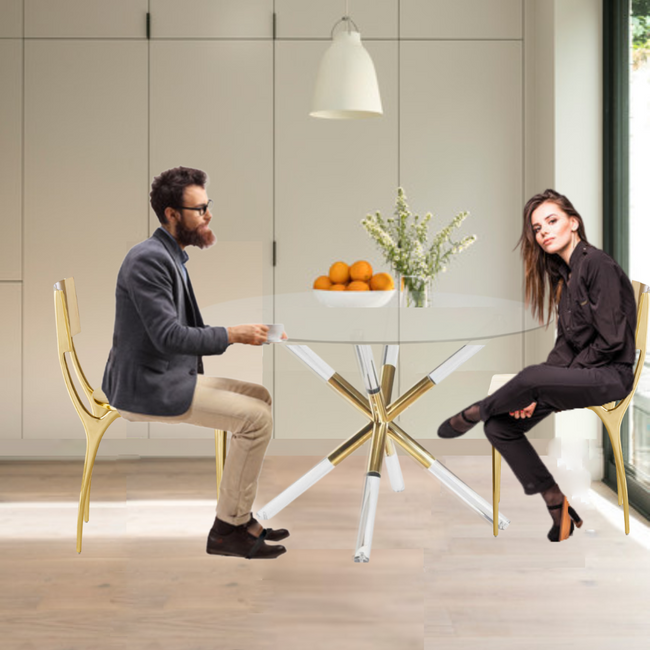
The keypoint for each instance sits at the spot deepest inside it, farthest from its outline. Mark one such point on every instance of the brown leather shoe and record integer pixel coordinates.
(240, 543)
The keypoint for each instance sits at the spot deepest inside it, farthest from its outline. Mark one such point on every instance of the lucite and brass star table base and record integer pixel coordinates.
(382, 431)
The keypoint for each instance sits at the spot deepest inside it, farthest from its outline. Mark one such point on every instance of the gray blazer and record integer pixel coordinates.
(159, 335)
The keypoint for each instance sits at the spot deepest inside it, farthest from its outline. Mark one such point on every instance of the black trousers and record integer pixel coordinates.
(554, 389)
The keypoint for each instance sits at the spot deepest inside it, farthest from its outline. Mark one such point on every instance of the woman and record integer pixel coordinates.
(593, 357)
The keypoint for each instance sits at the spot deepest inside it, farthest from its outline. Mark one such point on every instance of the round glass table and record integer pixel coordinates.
(471, 320)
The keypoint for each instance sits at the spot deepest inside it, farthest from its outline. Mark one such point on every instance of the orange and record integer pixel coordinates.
(382, 282)
(357, 285)
(339, 273)
(361, 271)
(323, 283)
(338, 287)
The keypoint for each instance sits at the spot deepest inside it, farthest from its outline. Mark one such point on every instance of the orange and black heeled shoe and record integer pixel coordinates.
(565, 529)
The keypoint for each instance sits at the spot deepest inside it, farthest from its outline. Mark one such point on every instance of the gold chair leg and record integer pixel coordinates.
(87, 509)
(82, 493)
(93, 447)
(220, 442)
(498, 477)
(95, 430)
(83, 482)
(614, 431)
(496, 489)
(619, 489)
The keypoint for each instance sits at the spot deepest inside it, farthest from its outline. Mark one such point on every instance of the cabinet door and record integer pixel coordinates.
(86, 196)
(461, 124)
(219, 118)
(86, 18)
(329, 175)
(11, 120)
(461, 19)
(211, 19)
(10, 353)
(11, 19)
(315, 18)
(462, 149)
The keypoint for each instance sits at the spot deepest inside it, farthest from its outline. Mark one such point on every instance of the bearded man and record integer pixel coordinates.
(154, 371)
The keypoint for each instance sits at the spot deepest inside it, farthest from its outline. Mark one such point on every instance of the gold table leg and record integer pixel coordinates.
(383, 431)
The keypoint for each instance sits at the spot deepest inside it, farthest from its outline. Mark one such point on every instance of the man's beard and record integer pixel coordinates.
(201, 237)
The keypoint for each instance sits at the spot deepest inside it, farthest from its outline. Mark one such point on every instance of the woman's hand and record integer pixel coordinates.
(524, 413)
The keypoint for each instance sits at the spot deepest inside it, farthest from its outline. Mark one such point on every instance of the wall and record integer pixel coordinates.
(94, 110)
(578, 174)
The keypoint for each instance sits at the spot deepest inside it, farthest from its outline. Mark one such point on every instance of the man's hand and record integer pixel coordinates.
(248, 334)
(524, 413)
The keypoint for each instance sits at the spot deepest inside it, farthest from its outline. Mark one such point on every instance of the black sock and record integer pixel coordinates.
(223, 527)
(554, 496)
(472, 413)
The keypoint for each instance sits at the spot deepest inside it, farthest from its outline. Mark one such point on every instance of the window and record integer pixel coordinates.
(626, 202)
(639, 216)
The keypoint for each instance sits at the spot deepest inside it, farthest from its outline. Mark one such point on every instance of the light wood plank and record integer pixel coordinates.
(437, 576)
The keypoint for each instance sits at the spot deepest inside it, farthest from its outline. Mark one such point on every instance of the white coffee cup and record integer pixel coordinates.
(275, 332)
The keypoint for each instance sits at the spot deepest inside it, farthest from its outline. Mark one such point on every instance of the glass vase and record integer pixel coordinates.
(415, 291)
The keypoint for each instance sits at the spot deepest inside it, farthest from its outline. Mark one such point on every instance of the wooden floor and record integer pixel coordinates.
(437, 577)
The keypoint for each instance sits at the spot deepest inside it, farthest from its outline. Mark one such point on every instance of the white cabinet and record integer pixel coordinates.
(461, 19)
(211, 19)
(103, 115)
(219, 118)
(11, 82)
(86, 204)
(86, 18)
(11, 19)
(315, 18)
(329, 173)
(10, 353)
(462, 149)
(461, 124)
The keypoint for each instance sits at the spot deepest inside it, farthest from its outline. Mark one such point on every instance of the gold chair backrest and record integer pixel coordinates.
(67, 326)
(642, 297)
(67, 312)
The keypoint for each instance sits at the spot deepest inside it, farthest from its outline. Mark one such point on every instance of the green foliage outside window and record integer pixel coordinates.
(640, 22)
(640, 28)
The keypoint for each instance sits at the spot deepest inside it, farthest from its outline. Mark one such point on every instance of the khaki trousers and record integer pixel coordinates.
(244, 409)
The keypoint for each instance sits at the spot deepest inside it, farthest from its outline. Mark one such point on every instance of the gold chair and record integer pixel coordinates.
(101, 414)
(611, 414)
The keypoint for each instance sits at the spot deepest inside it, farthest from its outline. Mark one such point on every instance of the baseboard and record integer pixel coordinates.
(204, 447)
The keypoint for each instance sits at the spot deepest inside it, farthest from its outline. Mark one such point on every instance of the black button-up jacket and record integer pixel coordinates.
(596, 314)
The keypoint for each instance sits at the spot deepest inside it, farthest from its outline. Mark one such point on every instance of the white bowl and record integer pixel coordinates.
(354, 298)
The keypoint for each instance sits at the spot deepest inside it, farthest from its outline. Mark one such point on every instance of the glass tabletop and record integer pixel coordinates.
(451, 317)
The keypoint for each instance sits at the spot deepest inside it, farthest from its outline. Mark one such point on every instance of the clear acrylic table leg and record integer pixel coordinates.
(367, 520)
(394, 470)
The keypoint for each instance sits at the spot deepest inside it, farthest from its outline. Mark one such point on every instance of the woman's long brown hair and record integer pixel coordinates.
(540, 268)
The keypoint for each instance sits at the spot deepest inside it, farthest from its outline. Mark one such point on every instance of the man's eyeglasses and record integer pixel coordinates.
(201, 209)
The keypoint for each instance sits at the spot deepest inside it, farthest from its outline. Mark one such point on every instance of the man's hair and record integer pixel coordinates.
(168, 188)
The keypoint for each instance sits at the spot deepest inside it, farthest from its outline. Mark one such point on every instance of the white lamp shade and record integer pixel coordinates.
(346, 86)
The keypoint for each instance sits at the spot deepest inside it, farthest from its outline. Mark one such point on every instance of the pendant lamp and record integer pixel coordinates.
(346, 86)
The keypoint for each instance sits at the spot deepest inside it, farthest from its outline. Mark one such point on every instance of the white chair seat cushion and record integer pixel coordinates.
(498, 381)
(99, 396)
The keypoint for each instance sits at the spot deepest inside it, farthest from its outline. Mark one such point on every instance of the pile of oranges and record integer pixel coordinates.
(358, 277)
